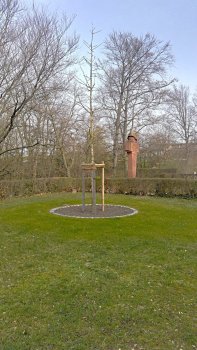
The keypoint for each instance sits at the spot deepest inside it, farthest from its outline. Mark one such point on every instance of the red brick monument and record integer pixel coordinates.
(132, 149)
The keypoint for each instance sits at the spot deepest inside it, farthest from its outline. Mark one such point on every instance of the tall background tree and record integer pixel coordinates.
(133, 74)
(36, 58)
(181, 116)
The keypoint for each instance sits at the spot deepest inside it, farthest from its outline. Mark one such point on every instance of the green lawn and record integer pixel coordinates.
(107, 284)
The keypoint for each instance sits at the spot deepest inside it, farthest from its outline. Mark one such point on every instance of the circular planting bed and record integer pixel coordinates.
(111, 211)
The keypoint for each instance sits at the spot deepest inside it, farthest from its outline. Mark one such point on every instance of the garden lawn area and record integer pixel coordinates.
(98, 284)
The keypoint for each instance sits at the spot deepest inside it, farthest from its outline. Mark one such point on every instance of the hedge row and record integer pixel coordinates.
(140, 186)
(27, 187)
(154, 187)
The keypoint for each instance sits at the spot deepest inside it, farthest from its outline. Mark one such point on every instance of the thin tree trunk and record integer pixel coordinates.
(116, 136)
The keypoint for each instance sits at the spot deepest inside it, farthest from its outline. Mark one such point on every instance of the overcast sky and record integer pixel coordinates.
(168, 20)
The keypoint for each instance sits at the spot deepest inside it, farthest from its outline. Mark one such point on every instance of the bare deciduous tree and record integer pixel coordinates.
(65, 118)
(36, 53)
(88, 83)
(181, 116)
(133, 76)
(181, 113)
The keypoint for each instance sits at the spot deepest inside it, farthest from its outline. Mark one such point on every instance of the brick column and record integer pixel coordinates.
(132, 149)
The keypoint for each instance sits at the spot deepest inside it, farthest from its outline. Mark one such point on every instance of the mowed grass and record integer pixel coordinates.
(107, 284)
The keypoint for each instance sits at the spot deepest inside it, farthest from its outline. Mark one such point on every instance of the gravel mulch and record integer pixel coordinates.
(111, 211)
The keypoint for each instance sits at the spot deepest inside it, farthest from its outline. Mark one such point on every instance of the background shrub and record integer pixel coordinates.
(170, 187)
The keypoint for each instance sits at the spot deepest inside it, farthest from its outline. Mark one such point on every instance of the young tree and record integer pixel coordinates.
(89, 84)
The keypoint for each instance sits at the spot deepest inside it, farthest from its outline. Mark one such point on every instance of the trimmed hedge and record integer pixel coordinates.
(29, 187)
(154, 187)
(139, 186)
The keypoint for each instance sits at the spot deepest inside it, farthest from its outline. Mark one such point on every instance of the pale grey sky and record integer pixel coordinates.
(168, 20)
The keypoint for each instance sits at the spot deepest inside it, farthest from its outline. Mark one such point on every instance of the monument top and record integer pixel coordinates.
(133, 134)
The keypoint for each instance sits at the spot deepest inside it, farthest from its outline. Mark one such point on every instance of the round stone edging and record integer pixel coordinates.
(53, 211)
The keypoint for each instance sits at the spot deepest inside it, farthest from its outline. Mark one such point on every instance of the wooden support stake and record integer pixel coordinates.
(103, 187)
(92, 169)
(93, 191)
(83, 191)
